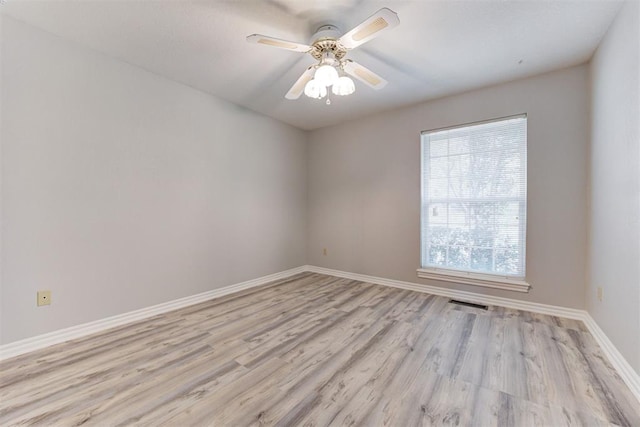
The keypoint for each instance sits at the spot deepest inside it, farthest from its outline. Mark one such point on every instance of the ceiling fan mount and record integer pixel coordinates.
(330, 48)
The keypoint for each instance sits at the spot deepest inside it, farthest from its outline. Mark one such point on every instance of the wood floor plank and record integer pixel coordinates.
(99, 370)
(343, 385)
(314, 350)
(593, 378)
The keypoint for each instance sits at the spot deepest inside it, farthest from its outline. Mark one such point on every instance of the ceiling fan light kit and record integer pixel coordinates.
(332, 68)
(344, 86)
(326, 75)
(314, 89)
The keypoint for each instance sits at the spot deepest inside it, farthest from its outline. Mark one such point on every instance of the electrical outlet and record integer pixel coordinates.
(324, 251)
(599, 294)
(44, 298)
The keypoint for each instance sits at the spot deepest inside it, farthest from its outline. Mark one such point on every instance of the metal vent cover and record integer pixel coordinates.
(469, 304)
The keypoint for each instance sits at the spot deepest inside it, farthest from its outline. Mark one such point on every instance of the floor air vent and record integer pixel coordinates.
(469, 304)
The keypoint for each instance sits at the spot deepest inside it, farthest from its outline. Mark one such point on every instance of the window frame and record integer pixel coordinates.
(489, 280)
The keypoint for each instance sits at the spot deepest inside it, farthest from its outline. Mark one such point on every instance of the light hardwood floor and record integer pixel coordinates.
(319, 350)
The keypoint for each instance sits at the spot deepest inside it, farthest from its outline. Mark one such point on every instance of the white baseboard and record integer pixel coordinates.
(40, 341)
(626, 372)
(553, 310)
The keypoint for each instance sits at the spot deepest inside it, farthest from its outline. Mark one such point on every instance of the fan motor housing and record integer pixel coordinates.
(326, 40)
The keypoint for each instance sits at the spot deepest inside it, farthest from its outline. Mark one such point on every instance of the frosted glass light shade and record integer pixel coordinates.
(344, 86)
(313, 89)
(326, 75)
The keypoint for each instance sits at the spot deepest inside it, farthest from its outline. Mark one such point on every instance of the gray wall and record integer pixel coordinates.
(364, 185)
(122, 189)
(614, 225)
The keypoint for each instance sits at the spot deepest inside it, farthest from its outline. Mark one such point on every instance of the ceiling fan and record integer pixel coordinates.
(330, 49)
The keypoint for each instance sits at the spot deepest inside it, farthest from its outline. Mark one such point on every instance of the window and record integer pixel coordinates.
(474, 203)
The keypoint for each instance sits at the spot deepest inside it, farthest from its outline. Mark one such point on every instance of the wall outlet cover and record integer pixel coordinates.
(44, 298)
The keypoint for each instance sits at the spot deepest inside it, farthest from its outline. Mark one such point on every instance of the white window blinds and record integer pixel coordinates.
(474, 197)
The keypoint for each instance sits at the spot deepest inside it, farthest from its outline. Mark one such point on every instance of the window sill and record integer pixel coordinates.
(475, 279)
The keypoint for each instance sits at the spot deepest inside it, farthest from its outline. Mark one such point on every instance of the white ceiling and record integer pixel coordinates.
(440, 47)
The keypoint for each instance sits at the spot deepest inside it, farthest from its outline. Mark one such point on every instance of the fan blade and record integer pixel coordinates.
(384, 19)
(298, 87)
(282, 44)
(364, 74)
